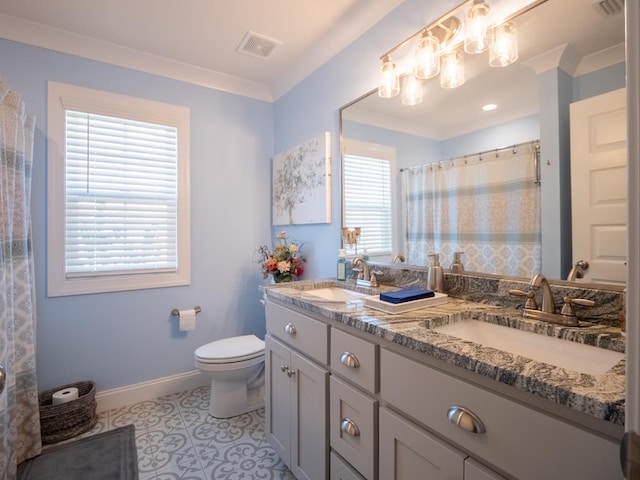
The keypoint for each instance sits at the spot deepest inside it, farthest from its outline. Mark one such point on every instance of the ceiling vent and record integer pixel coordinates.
(609, 8)
(257, 46)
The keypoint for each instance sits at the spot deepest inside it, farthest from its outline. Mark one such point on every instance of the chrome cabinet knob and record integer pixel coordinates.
(290, 328)
(349, 427)
(348, 359)
(465, 419)
(283, 368)
(290, 372)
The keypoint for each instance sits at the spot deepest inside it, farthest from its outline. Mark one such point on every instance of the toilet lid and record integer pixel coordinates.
(232, 349)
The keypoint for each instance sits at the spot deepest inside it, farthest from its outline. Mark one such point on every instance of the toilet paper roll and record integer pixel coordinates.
(64, 396)
(187, 320)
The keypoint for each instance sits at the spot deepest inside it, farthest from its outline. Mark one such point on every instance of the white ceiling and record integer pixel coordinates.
(196, 40)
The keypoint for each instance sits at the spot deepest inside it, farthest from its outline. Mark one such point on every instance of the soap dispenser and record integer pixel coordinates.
(342, 265)
(457, 265)
(435, 276)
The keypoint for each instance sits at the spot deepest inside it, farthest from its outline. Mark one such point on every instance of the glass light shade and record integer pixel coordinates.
(504, 50)
(412, 90)
(389, 82)
(478, 34)
(452, 69)
(427, 57)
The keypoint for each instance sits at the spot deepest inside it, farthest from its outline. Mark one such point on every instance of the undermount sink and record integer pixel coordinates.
(334, 294)
(554, 351)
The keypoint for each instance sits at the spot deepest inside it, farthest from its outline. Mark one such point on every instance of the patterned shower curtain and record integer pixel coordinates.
(486, 205)
(19, 413)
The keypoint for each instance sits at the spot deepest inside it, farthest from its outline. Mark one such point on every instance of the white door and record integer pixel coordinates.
(599, 186)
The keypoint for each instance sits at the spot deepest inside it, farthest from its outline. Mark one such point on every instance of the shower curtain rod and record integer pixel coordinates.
(496, 151)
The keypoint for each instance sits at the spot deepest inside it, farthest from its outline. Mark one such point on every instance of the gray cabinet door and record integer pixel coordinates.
(408, 452)
(310, 442)
(476, 471)
(278, 398)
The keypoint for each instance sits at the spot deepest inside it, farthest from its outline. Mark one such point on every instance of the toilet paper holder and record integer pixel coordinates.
(176, 313)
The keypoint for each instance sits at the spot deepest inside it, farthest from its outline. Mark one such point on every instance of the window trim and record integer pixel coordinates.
(62, 97)
(360, 148)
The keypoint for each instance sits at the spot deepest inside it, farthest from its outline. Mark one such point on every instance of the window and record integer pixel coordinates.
(118, 194)
(367, 185)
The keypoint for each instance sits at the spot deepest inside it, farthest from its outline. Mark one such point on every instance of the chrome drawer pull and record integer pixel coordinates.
(349, 427)
(290, 329)
(465, 419)
(350, 360)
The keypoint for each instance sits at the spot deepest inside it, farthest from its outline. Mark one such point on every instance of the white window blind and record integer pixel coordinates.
(121, 195)
(367, 202)
(118, 199)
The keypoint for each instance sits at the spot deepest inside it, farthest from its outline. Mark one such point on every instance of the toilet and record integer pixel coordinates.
(236, 368)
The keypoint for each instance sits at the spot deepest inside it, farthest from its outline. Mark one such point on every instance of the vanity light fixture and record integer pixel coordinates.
(504, 50)
(489, 106)
(389, 81)
(478, 36)
(438, 50)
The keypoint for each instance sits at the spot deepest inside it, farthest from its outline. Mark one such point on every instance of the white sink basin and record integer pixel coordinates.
(554, 351)
(334, 294)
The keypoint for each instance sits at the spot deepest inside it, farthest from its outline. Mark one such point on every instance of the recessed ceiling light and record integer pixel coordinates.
(489, 106)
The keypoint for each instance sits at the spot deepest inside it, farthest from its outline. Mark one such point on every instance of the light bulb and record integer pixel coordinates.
(427, 57)
(504, 50)
(452, 69)
(389, 83)
(478, 34)
(412, 90)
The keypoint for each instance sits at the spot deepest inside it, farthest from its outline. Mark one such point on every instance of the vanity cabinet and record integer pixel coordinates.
(296, 391)
(521, 441)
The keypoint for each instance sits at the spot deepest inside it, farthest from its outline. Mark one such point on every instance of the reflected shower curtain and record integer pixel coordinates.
(19, 413)
(487, 206)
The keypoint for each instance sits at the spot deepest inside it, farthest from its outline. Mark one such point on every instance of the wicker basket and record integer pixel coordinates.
(66, 420)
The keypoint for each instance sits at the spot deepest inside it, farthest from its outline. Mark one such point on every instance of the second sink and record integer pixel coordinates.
(554, 351)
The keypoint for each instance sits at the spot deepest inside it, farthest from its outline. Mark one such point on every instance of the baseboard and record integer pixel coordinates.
(138, 392)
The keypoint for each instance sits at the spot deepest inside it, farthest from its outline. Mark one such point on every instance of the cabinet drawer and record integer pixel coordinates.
(476, 471)
(301, 332)
(354, 359)
(353, 427)
(526, 443)
(341, 470)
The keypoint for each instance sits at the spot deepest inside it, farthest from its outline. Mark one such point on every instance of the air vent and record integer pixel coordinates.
(609, 8)
(257, 46)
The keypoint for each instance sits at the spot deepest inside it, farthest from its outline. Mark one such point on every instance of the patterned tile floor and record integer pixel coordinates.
(178, 439)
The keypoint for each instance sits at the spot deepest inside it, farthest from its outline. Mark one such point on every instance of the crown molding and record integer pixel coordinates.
(39, 35)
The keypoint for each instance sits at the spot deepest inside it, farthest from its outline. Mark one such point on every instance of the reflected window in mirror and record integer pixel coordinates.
(368, 172)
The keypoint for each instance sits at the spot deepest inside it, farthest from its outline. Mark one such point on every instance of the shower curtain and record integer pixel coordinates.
(485, 205)
(19, 413)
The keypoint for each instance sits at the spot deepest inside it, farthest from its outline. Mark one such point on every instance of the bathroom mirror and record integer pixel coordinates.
(579, 37)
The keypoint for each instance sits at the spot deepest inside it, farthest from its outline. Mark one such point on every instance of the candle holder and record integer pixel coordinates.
(350, 237)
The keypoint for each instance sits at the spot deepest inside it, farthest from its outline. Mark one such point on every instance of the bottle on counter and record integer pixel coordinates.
(457, 265)
(342, 265)
(435, 275)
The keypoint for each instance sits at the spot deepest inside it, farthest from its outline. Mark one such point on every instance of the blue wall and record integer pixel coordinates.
(124, 338)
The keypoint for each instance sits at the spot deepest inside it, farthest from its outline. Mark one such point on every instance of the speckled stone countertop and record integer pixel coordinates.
(601, 396)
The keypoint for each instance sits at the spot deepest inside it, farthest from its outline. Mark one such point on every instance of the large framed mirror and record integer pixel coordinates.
(569, 51)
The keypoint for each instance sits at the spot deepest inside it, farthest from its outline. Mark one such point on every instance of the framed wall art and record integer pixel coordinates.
(301, 190)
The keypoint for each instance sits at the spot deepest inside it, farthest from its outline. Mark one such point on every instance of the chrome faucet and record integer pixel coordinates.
(548, 304)
(360, 265)
(577, 271)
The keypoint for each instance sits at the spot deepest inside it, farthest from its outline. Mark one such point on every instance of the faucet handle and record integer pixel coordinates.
(567, 307)
(374, 278)
(531, 298)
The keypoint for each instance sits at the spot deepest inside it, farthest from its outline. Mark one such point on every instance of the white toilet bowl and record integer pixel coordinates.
(236, 368)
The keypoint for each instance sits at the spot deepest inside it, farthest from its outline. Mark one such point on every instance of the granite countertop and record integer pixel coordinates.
(600, 396)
